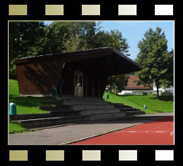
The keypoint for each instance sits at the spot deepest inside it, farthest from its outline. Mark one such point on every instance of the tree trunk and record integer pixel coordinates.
(109, 89)
(157, 86)
(116, 91)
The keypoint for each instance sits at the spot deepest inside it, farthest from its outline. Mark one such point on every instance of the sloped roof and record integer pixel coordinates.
(104, 59)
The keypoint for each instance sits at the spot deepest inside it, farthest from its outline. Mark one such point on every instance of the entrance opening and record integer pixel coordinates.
(59, 87)
(78, 83)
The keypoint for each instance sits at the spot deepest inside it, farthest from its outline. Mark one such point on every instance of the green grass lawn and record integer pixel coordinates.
(29, 105)
(154, 105)
(13, 88)
(16, 128)
(25, 105)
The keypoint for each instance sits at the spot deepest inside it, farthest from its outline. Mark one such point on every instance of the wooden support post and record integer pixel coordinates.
(60, 84)
(86, 85)
(99, 87)
(93, 86)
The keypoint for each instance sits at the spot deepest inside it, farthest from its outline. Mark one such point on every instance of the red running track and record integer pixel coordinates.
(159, 132)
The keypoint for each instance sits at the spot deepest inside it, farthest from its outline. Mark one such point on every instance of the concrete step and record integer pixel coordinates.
(78, 107)
(70, 97)
(129, 109)
(106, 116)
(53, 121)
(121, 105)
(54, 108)
(99, 111)
(51, 114)
(124, 107)
(65, 112)
(50, 121)
(70, 100)
(85, 111)
(132, 113)
(81, 99)
(91, 106)
(70, 109)
(86, 102)
(29, 116)
(116, 104)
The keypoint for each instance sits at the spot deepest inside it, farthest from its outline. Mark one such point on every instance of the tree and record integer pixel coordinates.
(118, 82)
(81, 36)
(24, 40)
(56, 34)
(154, 59)
(35, 38)
(168, 78)
(117, 41)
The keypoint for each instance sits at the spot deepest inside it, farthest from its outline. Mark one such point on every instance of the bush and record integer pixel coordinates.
(153, 94)
(166, 93)
(12, 73)
(144, 93)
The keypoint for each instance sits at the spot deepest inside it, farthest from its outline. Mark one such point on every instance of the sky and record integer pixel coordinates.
(134, 31)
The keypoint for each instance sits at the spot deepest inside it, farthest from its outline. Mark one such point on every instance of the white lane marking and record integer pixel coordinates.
(159, 125)
(171, 134)
(146, 132)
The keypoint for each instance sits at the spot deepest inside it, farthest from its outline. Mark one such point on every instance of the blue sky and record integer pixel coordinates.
(134, 31)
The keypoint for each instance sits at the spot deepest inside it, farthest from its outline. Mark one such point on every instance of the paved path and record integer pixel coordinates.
(74, 132)
(158, 132)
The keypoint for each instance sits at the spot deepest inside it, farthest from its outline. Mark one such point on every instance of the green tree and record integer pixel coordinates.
(117, 41)
(35, 38)
(81, 36)
(25, 39)
(56, 34)
(118, 82)
(70, 36)
(168, 78)
(154, 59)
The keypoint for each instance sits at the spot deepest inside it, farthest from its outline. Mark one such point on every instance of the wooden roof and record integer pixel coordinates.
(105, 60)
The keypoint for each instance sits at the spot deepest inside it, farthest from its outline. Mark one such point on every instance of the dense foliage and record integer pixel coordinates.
(155, 59)
(35, 38)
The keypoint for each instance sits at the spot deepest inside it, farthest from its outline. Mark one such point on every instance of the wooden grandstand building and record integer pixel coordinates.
(79, 73)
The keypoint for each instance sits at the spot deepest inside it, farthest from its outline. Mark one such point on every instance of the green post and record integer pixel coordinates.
(54, 91)
(12, 109)
(107, 96)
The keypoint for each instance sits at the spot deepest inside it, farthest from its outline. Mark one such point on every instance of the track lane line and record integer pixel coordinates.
(136, 136)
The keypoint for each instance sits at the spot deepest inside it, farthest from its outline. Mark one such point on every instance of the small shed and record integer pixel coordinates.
(79, 73)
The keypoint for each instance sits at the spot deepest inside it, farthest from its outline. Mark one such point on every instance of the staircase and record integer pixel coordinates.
(70, 109)
(130, 111)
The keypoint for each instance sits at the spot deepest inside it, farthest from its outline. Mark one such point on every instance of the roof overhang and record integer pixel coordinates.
(105, 60)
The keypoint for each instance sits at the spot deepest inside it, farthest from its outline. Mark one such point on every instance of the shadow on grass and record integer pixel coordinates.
(30, 101)
(163, 98)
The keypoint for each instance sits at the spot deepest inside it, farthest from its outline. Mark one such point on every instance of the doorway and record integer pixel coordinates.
(78, 83)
